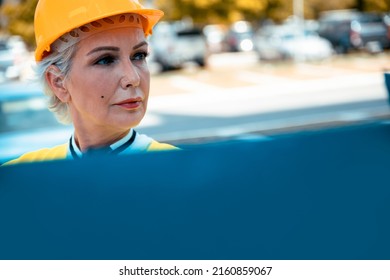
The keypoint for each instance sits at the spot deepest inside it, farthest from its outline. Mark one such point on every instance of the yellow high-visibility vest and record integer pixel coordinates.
(60, 152)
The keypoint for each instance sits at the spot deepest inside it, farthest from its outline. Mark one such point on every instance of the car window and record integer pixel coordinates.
(370, 18)
(3, 47)
(191, 32)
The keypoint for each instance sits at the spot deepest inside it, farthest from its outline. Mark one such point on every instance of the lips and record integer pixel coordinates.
(130, 104)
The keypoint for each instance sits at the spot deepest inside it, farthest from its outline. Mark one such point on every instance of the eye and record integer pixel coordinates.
(139, 56)
(105, 60)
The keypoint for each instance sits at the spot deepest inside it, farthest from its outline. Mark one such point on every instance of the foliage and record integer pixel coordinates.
(20, 17)
(226, 11)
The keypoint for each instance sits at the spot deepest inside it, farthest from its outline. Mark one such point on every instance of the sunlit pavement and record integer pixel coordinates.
(231, 70)
(239, 86)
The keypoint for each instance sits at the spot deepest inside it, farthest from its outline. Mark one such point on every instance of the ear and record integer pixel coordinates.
(56, 81)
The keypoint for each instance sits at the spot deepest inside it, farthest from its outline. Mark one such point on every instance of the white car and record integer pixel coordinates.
(14, 56)
(173, 46)
(285, 42)
(239, 38)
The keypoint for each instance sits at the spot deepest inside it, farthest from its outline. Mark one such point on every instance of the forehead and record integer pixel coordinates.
(120, 37)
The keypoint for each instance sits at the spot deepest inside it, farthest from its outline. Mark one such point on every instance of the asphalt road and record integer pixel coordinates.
(237, 96)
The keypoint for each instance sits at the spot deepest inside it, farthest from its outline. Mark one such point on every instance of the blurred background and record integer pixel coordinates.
(224, 69)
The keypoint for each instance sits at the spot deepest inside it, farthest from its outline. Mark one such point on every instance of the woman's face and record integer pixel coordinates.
(108, 83)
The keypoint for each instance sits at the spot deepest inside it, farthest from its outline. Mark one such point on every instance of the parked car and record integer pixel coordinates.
(240, 37)
(215, 36)
(352, 30)
(287, 42)
(25, 122)
(13, 57)
(173, 46)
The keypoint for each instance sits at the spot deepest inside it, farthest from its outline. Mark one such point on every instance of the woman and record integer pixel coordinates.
(91, 58)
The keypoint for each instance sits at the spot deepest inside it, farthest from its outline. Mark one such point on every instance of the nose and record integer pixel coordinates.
(130, 76)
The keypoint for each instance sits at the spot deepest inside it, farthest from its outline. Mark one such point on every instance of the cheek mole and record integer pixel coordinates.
(102, 96)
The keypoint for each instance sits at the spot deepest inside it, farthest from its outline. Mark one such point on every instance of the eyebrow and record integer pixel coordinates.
(140, 45)
(104, 48)
(116, 49)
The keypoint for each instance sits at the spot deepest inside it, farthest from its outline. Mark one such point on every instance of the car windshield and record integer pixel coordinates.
(190, 32)
(370, 19)
(3, 46)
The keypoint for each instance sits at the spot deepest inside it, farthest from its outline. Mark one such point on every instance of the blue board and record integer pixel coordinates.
(314, 195)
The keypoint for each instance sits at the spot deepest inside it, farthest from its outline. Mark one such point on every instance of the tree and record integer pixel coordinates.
(211, 11)
(20, 18)
(373, 5)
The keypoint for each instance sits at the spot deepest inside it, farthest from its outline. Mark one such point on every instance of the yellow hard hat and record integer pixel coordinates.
(54, 18)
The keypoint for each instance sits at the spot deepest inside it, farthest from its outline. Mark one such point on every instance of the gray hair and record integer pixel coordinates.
(63, 61)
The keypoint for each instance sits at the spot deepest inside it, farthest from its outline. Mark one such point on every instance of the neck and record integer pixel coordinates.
(87, 141)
